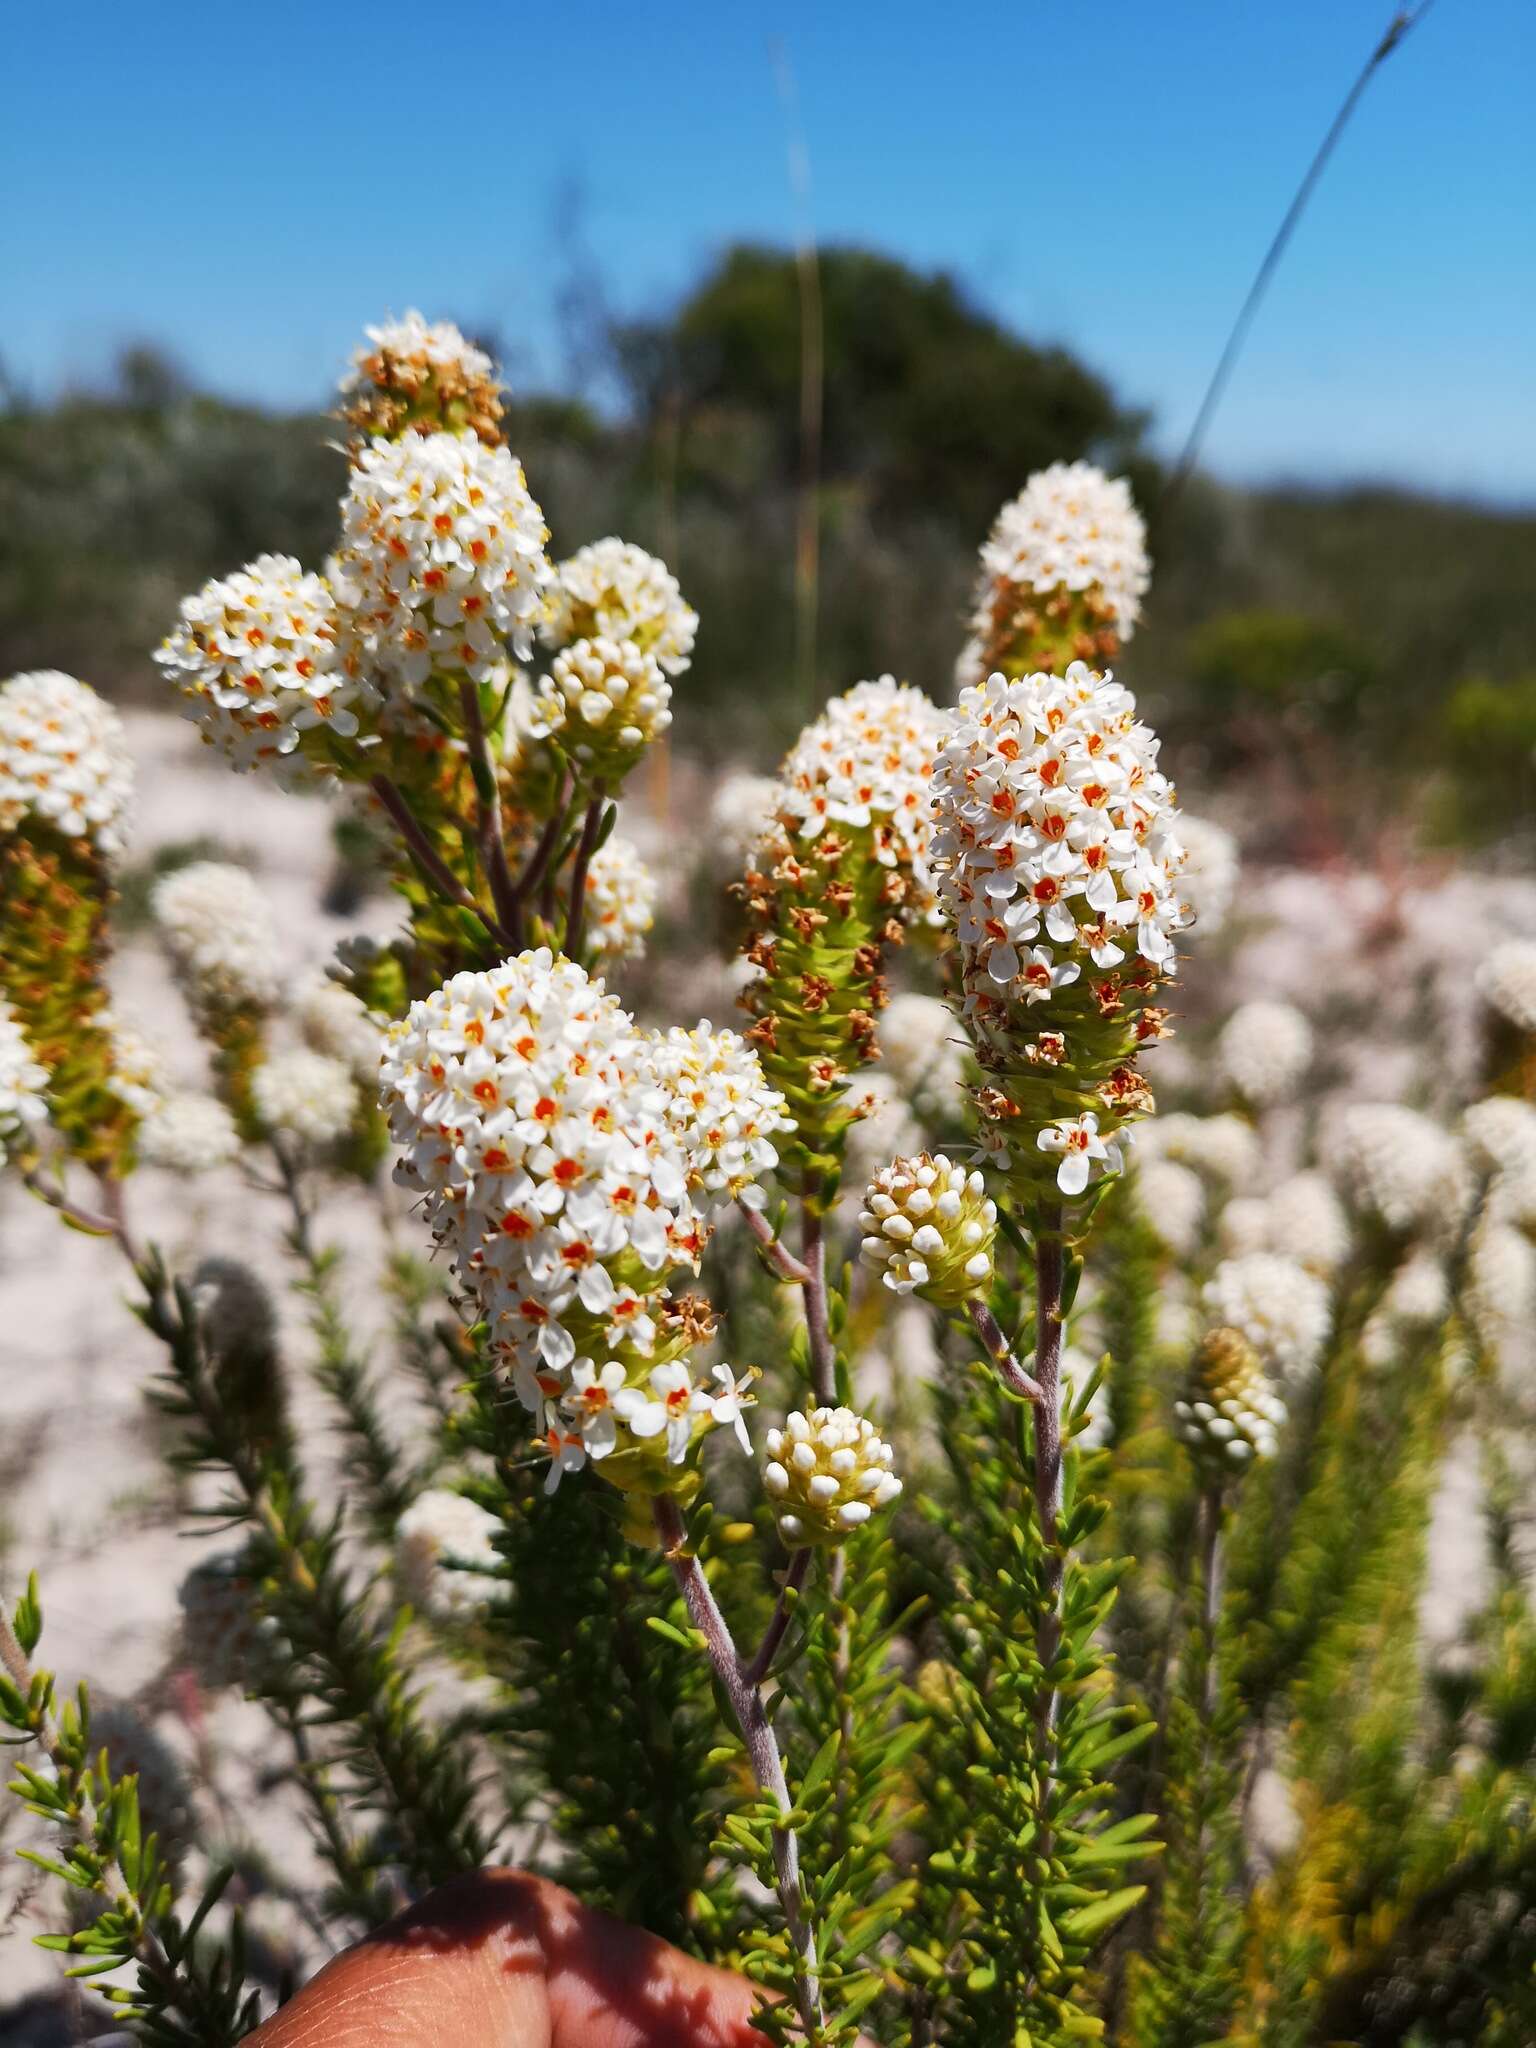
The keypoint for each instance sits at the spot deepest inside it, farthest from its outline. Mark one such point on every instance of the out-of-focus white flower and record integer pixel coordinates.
(866, 763)
(1507, 981)
(1281, 1308)
(1208, 879)
(1172, 1200)
(1085, 1156)
(138, 1075)
(1397, 1166)
(1417, 1298)
(925, 1053)
(443, 562)
(604, 701)
(23, 1111)
(258, 659)
(720, 1108)
(1264, 1051)
(929, 1227)
(621, 901)
(826, 1474)
(1077, 1368)
(305, 1095)
(1224, 1147)
(1302, 1219)
(613, 590)
(740, 815)
(63, 760)
(188, 1133)
(336, 1023)
(1071, 528)
(445, 1554)
(1056, 837)
(886, 1128)
(1244, 1226)
(1230, 1415)
(1501, 1297)
(1501, 1135)
(218, 930)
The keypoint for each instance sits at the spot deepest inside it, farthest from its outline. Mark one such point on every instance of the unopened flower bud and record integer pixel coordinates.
(827, 1473)
(1230, 1415)
(929, 1229)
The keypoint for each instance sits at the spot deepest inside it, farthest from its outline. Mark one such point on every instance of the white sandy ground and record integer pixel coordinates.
(83, 1492)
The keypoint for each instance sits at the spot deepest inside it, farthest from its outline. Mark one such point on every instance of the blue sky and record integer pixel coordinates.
(251, 185)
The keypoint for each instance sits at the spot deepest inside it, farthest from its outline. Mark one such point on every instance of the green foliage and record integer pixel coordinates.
(1488, 737)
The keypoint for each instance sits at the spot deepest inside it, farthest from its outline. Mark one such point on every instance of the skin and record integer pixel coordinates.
(505, 1960)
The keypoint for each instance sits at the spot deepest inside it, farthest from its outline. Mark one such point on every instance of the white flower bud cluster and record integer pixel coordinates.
(445, 1555)
(604, 701)
(1171, 1199)
(621, 901)
(188, 1132)
(433, 345)
(1501, 1136)
(306, 1096)
(827, 1473)
(866, 764)
(1264, 1051)
(63, 760)
(926, 1055)
(1070, 528)
(442, 564)
(1396, 1166)
(218, 930)
(1056, 838)
(720, 1109)
(23, 1111)
(1281, 1308)
(1225, 1148)
(613, 590)
(929, 1229)
(332, 1020)
(259, 661)
(1302, 1219)
(1507, 982)
(1208, 879)
(1230, 1415)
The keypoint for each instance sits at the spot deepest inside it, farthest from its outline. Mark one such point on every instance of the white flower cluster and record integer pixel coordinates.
(926, 1054)
(435, 345)
(138, 1075)
(621, 901)
(258, 658)
(218, 930)
(22, 1081)
(443, 562)
(1056, 837)
(1264, 1051)
(63, 760)
(1507, 981)
(1070, 528)
(827, 1473)
(613, 590)
(1208, 879)
(1302, 1219)
(720, 1108)
(929, 1229)
(1225, 1147)
(1281, 1308)
(604, 701)
(866, 763)
(1397, 1166)
(305, 1095)
(1171, 1199)
(1501, 1134)
(333, 1021)
(445, 1554)
(188, 1133)
(1501, 1299)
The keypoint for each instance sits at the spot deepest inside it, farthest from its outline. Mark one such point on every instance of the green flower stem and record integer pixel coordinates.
(746, 1702)
(1049, 1269)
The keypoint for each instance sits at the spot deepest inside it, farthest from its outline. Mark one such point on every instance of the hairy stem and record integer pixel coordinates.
(1049, 1267)
(779, 1255)
(762, 1752)
(1009, 1370)
(813, 1257)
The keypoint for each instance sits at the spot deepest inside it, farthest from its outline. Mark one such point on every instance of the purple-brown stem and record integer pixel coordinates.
(1049, 1271)
(818, 1330)
(757, 1669)
(427, 858)
(1009, 1370)
(493, 837)
(576, 913)
(779, 1255)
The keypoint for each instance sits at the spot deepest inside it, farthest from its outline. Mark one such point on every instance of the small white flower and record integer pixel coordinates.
(726, 1409)
(670, 1407)
(613, 590)
(218, 930)
(305, 1095)
(1084, 1154)
(439, 1531)
(63, 760)
(621, 901)
(826, 1474)
(589, 1403)
(720, 1108)
(23, 1110)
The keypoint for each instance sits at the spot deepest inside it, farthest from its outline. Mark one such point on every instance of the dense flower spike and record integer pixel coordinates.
(826, 1474)
(258, 659)
(1507, 981)
(1229, 1416)
(1501, 1298)
(188, 1133)
(1171, 1199)
(720, 1108)
(1398, 1168)
(612, 590)
(603, 703)
(306, 1096)
(1058, 858)
(65, 786)
(445, 1554)
(1265, 1050)
(1062, 576)
(621, 901)
(22, 1081)
(841, 873)
(412, 376)
(1278, 1306)
(929, 1228)
(63, 761)
(1226, 1147)
(442, 566)
(530, 1113)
